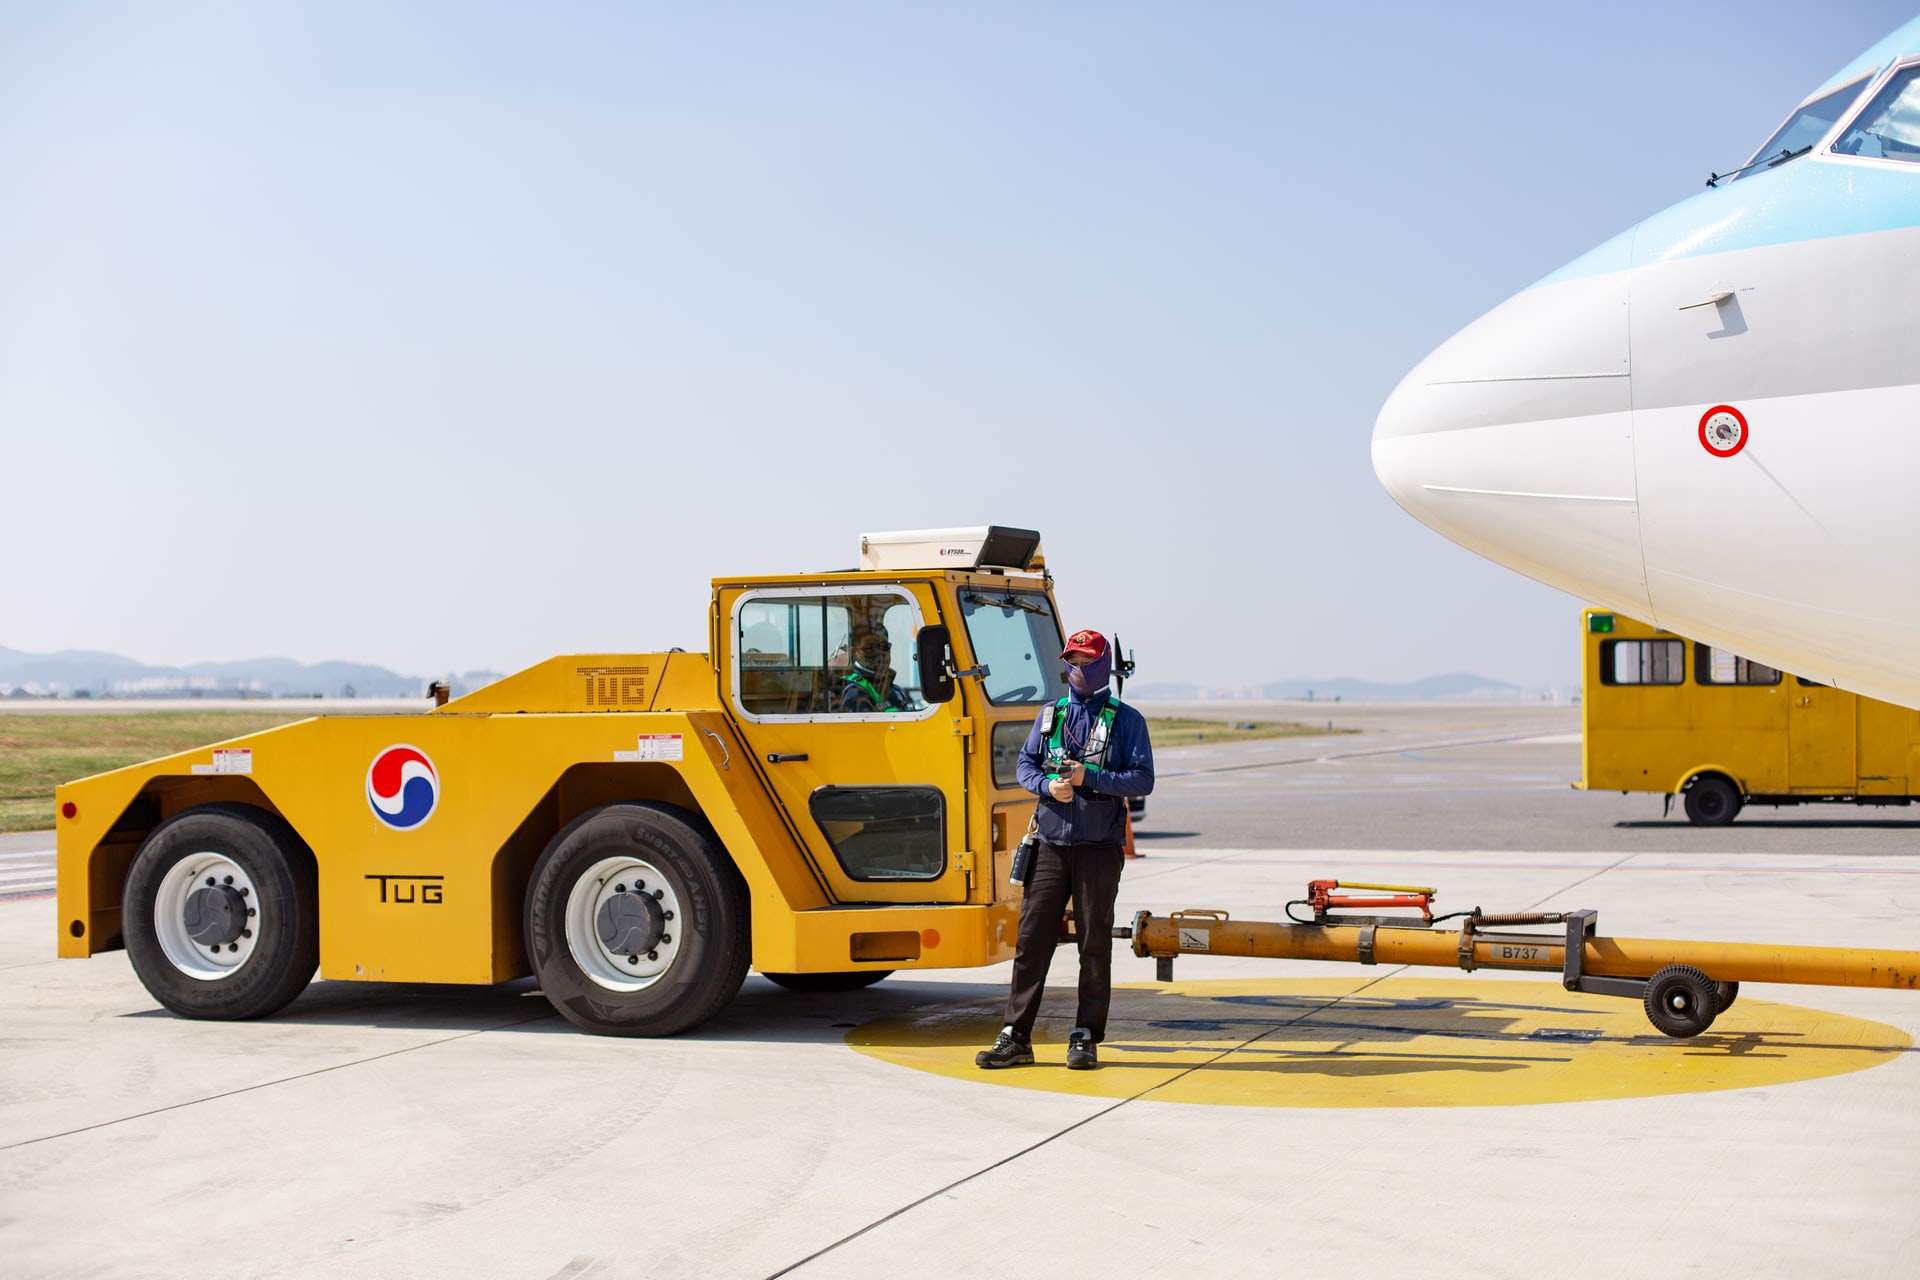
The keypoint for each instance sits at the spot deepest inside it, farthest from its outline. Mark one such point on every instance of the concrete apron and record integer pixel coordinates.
(1354, 1118)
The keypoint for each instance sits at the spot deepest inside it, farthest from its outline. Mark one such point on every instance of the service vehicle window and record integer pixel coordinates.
(1889, 129)
(884, 833)
(808, 653)
(1804, 128)
(1008, 737)
(1724, 666)
(1016, 638)
(1643, 662)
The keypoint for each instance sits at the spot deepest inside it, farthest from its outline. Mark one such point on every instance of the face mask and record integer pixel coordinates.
(1092, 678)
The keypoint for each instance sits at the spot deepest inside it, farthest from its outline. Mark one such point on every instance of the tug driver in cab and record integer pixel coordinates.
(870, 685)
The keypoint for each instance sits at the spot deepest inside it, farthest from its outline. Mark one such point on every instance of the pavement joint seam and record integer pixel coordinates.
(1078, 1124)
(1342, 755)
(268, 1084)
(1395, 972)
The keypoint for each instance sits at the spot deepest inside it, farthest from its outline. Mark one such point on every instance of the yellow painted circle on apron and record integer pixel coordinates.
(1393, 1043)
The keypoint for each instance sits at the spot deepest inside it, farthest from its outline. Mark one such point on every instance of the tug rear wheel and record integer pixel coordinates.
(1681, 1001)
(1727, 992)
(826, 981)
(222, 914)
(637, 922)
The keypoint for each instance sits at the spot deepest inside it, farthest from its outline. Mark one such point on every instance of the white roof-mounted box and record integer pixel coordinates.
(987, 546)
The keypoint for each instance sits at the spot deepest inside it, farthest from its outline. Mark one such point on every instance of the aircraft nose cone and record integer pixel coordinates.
(1515, 439)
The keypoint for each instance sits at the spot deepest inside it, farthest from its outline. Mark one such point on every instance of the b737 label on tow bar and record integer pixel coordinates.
(1517, 953)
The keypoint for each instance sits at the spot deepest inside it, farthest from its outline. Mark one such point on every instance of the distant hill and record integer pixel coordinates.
(85, 673)
(1455, 687)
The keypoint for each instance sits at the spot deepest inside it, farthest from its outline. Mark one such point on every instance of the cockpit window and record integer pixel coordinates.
(1889, 129)
(1804, 128)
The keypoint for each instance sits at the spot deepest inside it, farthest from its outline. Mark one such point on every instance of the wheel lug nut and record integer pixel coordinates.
(229, 879)
(666, 915)
(659, 893)
(244, 891)
(633, 959)
(232, 946)
(665, 938)
(252, 912)
(619, 888)
(653, 955)
(210, 880)
(246, 933)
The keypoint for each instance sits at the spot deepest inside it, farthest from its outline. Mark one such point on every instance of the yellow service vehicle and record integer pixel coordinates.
(827, 794)
(1666, 714)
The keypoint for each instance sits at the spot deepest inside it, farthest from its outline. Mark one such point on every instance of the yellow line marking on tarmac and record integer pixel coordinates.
(1393, 1042)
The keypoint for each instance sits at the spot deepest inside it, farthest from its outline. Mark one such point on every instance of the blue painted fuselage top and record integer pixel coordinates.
(1813, 197)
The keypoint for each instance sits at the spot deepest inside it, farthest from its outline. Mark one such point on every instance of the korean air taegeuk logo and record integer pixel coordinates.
(403, 787)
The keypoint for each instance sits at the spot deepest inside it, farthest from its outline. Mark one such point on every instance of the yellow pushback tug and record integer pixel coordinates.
(828, 794)
(634, 829)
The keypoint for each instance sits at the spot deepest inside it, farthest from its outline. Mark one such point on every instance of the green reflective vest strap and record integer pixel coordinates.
(872, 691)
(1097, 739)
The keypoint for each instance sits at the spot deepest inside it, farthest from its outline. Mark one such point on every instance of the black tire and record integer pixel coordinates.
(826, 981)
(698, 962)
(273, 960)
(1712, 801)
(1681, 1001)
(1727, 993)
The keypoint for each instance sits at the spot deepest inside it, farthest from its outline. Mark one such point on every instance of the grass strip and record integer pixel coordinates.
(1172, 732)
(39, 751)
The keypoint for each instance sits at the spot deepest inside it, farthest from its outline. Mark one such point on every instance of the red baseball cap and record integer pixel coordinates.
(1091, 643)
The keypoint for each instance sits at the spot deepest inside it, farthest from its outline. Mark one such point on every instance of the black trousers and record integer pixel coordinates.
(1090, 875)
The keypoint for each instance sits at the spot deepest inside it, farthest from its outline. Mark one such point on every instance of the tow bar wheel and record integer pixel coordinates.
(1681, 1001)
(221, 913)
(621, 920)
(637, 921)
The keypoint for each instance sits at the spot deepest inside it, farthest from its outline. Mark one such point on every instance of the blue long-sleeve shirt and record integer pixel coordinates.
(1097, 812)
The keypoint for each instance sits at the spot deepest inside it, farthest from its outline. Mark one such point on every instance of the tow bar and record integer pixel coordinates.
(1683, 986)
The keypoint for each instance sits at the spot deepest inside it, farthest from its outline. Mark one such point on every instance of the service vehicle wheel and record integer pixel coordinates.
(1681, 1001)
(637, 922)
(1726, 993)
(222, 913)
(1712, 801)
(826, 981)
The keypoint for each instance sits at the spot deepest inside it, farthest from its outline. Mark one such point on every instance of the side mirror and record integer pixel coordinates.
(933, 650)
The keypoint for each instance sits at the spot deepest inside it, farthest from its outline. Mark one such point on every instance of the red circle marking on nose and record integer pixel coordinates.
(1723, 431)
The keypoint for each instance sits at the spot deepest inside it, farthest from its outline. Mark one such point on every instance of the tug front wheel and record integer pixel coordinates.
(1681, 1001)
(222, 913)
(637, 922)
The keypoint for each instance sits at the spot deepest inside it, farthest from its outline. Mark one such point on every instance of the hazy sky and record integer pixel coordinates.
(449, 336)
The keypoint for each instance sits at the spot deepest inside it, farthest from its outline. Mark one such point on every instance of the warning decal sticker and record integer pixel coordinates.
(652, 746)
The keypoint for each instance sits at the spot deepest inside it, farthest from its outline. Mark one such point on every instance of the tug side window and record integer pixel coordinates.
(797, 654)
(1643, 662)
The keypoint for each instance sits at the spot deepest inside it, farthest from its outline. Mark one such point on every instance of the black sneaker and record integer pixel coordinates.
(1080, 1054)
(1008, 1051)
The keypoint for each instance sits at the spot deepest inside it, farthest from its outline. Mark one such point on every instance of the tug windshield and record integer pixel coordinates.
(1016, 638)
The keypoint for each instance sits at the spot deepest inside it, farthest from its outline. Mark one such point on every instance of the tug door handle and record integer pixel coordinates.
(782, 757)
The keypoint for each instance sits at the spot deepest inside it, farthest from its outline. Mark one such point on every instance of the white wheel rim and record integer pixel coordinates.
(170, 916)
(605, 879)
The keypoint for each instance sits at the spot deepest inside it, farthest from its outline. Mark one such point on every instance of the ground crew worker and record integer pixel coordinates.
(870, 685)
(1084, 756)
